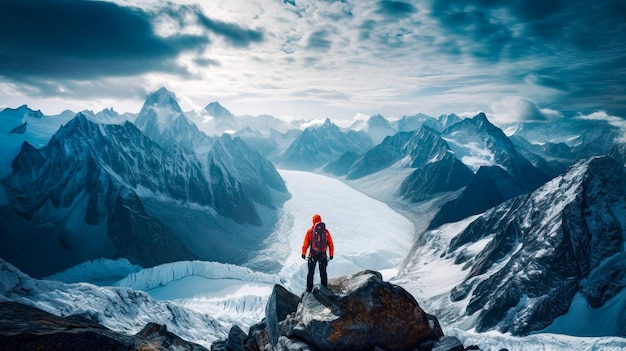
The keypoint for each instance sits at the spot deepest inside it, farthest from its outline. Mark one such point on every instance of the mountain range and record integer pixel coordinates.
(105, 190)
(527, 262)
(524, 221)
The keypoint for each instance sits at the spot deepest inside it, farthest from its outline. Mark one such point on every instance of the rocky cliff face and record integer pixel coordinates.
(85, 195)
(501, 171)
(576, 218)
(524, 262)
(356, 312)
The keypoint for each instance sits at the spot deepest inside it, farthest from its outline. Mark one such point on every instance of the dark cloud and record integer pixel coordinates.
(395, 8)
(85, 40)
(580, 42)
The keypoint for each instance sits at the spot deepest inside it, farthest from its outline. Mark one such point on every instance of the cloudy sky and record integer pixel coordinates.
(514, 59)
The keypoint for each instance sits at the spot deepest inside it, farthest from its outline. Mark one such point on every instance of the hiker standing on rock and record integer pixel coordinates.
(318, 238)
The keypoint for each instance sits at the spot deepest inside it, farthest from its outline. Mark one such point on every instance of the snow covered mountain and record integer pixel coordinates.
(443, 162)
(567, 138)
(215, 120)
(106, 190)
(16, 120)
(163, 121)
(256, 174)
(501, 172)
(552, 260)
(318, 145)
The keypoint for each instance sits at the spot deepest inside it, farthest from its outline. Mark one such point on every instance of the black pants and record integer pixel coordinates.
(323, 262)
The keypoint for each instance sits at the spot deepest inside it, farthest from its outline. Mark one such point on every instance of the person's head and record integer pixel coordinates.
(317, 218)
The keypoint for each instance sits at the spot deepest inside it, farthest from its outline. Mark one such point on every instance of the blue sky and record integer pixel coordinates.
(514, 60)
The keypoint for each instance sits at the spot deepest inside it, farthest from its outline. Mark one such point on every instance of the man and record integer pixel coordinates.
(319, 240)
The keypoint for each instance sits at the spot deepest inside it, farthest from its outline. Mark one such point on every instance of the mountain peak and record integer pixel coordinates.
(162, 98)
(481, 118)
(378, 121)
(218, 111)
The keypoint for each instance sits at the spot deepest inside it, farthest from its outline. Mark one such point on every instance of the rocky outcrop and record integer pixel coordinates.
(26, 328)
(356, 312)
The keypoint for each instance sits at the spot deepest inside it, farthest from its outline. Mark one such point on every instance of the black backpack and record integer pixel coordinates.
(319, 242)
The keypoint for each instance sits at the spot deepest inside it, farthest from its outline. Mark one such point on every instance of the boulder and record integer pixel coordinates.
(280, 303)
(361, 312)
(236, 339)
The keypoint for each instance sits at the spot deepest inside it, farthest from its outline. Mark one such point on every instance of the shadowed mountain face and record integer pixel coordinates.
(108, 190)
(317, 146)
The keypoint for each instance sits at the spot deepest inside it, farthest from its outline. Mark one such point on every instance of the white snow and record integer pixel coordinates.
(471, 150)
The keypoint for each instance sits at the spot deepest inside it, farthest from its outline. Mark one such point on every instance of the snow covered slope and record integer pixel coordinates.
(544, 260)
(120, 309)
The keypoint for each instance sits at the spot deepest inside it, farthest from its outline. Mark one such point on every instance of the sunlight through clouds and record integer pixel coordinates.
(317, 59)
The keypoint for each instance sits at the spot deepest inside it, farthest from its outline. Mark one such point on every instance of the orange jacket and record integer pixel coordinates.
(308, 237)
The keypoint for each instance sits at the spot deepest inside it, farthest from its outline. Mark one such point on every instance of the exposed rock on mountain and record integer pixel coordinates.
(120, 311)
(415, 149)
(446, 174)
(436, 168)
(346, 316)
(79, 190)
(527, 261)
(25, 328)
(87, 193)
(256, 174)
(502, 172)
(489, 187)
